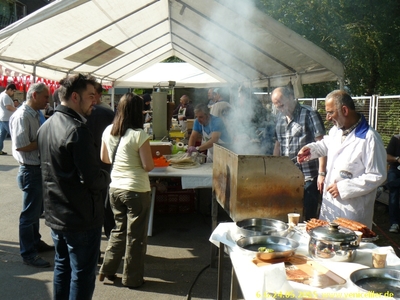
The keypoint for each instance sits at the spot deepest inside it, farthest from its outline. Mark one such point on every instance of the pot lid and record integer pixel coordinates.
(333, 233)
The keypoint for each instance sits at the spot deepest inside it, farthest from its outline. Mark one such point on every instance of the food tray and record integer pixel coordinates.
(301, 229)
(302, 269)
(370, 240)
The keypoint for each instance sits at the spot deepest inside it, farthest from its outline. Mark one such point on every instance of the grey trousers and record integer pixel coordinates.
(129, 236)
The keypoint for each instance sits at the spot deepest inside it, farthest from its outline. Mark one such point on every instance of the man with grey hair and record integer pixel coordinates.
(356, 164)
(296, 126)
(24, 124)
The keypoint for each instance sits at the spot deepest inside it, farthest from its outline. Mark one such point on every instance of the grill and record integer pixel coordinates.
(256, 186)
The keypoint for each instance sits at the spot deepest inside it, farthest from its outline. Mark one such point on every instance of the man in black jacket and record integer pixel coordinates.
(72, 184)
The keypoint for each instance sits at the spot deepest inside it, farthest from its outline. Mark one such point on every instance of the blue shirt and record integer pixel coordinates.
(215, 124)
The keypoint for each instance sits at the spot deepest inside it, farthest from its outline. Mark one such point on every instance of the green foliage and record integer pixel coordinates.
(363, 35)
(172, 59)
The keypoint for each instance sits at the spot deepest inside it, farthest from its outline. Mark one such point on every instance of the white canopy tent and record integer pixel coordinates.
(114, 40)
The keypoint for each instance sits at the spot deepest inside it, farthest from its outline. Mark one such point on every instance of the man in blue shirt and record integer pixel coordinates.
(209, 128)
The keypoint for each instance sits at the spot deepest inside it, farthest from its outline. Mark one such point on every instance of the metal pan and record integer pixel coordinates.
(258, 226)
(383, 281)
(283, 247)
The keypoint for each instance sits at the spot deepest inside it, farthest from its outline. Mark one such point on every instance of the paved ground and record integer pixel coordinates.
(177, 258)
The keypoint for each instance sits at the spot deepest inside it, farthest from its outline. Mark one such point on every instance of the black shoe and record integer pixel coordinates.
(37, 262)
(43, 247)
(3, 153)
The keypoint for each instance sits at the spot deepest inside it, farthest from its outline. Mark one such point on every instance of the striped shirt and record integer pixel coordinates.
(305, 126)
(24, 124)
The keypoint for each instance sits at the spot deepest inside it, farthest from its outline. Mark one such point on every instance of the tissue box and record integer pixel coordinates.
(164, 148)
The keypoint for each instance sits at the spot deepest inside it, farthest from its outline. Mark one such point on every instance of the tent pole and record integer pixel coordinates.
(34, 74)
(112, 97)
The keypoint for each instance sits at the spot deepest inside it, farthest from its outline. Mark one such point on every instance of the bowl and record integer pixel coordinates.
(281, 246)
(384, 280)
(259, 226)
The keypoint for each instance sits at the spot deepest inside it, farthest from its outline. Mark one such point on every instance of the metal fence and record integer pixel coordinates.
(382, 112)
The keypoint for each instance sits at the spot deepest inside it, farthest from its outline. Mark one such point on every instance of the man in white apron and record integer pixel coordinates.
(356, 164)
(210, 128)
(183, 112)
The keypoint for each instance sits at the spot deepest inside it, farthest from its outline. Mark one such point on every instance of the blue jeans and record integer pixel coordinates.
(311, 197)
(393, 183)
(75, 263)
(4, 130)
(29, 180)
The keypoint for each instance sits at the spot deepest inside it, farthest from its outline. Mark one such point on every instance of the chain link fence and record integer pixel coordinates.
(382, 113)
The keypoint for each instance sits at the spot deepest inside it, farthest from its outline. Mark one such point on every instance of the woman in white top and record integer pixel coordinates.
(126, 146)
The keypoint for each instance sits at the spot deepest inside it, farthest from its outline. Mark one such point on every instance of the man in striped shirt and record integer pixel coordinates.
(297, 125)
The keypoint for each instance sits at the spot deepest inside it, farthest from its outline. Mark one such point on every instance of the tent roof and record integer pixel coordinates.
(231, 41)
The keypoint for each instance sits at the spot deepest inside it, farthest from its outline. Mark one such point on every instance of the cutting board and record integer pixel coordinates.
(300, 268)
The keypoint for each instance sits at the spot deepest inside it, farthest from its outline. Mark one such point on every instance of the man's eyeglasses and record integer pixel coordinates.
(331, 113)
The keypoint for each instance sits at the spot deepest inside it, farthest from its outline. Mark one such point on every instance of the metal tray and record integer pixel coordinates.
(302, 269)
(378, 281)
(283, 247)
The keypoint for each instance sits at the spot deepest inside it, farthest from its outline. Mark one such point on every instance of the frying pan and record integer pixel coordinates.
(283, 247)
(378, 281)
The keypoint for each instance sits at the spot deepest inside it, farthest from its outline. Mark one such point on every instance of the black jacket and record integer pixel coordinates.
(71, 174)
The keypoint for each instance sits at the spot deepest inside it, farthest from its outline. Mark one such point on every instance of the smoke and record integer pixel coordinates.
(250, 124)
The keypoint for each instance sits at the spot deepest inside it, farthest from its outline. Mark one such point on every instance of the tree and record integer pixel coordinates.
(363, 35)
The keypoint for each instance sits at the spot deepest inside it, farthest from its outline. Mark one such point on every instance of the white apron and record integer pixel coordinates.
(182, 123)
(210, 151)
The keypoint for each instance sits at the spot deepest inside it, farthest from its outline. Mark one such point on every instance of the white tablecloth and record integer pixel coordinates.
(256, 282)
(194, 178)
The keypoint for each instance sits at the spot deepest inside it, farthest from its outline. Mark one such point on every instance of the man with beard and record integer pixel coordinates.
(72, 184)
(356, 164)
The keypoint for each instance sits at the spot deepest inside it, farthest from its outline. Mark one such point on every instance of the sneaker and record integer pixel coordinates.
(3, 153)
(394, 228)
(37, 262)
(43, 247)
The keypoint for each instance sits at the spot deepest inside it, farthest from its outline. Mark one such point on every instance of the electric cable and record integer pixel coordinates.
(188, 296)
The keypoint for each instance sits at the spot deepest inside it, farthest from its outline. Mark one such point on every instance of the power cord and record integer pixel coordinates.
(189, 296)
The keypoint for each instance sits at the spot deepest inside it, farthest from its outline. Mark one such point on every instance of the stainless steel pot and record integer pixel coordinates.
(281, 246)
(257, 226)
(333, 243)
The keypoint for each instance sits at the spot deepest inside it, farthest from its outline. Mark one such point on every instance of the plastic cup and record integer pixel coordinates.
(293, 219)
(379, 258)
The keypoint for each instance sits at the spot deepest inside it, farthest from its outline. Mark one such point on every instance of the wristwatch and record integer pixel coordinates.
(322, 174)
(197, 148)
(397, 158)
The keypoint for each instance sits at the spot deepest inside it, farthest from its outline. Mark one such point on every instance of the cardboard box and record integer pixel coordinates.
(164, 148)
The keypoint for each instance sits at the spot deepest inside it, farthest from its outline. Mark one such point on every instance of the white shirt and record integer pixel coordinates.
(5, 100)
(24, 124)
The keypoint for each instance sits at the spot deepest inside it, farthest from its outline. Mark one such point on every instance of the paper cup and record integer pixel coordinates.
(359, 236)
(379, 258)
(293, 219)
